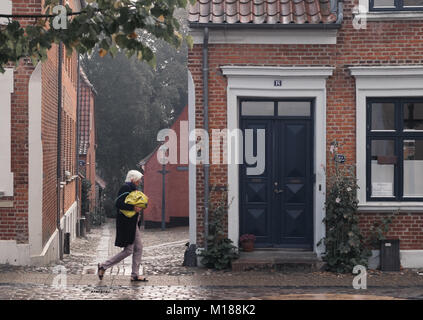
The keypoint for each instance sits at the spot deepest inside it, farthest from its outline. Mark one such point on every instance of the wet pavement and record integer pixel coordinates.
(75, 277)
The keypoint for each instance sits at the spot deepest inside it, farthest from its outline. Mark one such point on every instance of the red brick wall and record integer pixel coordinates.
(382, 43)
(14, 221)
(49, 141)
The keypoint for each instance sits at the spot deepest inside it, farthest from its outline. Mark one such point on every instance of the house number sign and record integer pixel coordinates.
(277, 83)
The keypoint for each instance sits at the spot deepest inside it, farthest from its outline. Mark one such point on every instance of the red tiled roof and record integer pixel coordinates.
(84, 113)
(261, 11)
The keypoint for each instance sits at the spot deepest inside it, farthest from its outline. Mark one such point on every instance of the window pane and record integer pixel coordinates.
(258, 108)
(413, 168)
(383, 116)
(384, 3)
(413, 3)
(383, 162)
(294, 108)
(413, 116)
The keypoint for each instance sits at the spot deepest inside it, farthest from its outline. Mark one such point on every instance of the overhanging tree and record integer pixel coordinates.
(108, 25)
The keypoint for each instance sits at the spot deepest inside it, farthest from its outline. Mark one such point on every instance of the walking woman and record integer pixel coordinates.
(128, 235)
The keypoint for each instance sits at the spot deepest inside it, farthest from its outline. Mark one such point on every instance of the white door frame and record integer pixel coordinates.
(297, 82)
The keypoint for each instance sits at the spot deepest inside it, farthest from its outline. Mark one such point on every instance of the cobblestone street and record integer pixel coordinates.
(168, 279)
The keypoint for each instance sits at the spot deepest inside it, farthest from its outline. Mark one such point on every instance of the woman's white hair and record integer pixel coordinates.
(133, 175)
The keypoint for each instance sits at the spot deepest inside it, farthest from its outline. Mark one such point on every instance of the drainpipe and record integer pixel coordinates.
(78, 105)
(59, 143)
(206, 128)
(339, 11)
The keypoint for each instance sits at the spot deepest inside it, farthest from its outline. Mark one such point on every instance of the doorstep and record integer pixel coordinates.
(278, 260)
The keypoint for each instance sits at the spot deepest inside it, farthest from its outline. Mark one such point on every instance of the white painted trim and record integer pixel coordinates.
(264, 71)
(387, 81)
(296, 83)
(14, 253)
(35, 163)
(266, 36)
(6, 204)
(408, 259)
(49, 253)
(362, 13)
(192, 180)
(5, 8)
(387, 71)
(6, 90)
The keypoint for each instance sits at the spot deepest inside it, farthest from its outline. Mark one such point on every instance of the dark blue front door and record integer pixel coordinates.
(276, 204)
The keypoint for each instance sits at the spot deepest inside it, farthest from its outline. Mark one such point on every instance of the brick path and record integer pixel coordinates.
(168, 279)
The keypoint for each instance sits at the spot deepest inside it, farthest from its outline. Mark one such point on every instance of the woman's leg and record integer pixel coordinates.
(129, 249)
(136, 256)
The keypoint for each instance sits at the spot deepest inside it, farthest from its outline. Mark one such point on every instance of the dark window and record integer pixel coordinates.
(395, 149)
(396, 5)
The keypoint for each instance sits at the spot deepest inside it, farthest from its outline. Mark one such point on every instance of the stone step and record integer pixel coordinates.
(278, 260)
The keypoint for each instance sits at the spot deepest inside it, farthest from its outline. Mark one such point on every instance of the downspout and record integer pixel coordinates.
(206, 128)
(59, 143)
(78, 105)
(338, 7)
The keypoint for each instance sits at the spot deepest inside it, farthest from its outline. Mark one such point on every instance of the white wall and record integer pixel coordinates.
(192, 168)
(5, 8)
(6, 176)
(35, 163)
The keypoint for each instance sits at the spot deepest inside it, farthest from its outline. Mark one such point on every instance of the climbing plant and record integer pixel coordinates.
(344, 242)
(105, 25)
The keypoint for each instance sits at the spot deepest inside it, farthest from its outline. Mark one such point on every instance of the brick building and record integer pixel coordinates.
(176, 184)
(87, 135)
(294, 76)
(34, 212)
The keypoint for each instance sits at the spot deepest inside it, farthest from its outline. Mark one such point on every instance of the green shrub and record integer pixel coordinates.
(345, 245)
(220, 250)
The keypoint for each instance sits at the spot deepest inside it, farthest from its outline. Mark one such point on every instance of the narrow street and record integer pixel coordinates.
(75, 277)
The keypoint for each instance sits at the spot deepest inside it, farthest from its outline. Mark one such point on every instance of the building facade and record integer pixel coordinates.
(38, 177)
(176, 211)
(295, 76)
(87, 136)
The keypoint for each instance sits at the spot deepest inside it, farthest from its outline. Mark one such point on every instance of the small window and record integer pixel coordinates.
(258, 108)
(383, 168)
(413, 168)
(396, 5)
(413, 3)
(383, 116)
(413, 116)
(294, 108)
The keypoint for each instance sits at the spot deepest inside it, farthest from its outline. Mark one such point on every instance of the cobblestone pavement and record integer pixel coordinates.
(168, 279)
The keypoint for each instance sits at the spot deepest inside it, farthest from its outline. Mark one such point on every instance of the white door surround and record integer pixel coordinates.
(297, 82)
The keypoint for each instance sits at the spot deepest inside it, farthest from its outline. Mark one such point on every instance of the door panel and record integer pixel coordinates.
(294, 174)
(255, 206)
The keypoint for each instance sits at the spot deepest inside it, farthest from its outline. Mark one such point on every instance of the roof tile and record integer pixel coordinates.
(262, 11)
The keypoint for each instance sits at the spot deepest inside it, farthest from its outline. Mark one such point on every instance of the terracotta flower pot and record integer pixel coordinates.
(248, 246)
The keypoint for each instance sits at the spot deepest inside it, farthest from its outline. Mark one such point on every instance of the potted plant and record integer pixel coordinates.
(247, 242)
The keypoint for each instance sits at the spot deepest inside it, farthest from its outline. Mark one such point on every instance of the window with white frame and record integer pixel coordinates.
(394, 149)
(396, 5)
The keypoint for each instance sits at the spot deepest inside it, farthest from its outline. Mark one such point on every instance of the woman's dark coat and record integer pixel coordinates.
(125, 227)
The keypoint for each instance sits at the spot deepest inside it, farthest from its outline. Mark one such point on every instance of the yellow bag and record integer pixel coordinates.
(136, 198)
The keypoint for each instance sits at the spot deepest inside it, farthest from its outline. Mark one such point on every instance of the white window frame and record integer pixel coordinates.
(385, 81)
(6, 175)
(361, 12)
